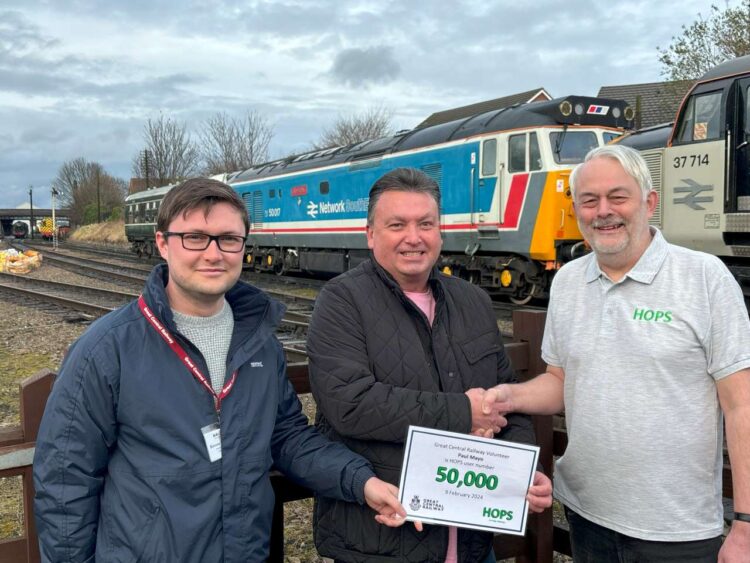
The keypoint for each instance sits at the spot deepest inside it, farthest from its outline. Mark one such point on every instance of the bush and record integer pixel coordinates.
(89, 214)
(116, 214)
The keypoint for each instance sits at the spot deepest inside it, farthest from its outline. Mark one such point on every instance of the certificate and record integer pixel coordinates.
(461, 480)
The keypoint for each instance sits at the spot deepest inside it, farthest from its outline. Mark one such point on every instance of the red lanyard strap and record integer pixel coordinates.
(183, 355)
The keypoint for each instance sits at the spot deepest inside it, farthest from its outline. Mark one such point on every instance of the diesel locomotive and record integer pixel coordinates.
(700, 166)
(507, 216)
(20, 229)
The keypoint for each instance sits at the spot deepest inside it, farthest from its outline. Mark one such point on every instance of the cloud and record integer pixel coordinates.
(77, 79)
(44, 135)
(18, 34)
(361, 67)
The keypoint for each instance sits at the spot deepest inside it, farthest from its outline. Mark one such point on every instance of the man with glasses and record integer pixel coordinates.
(167, 414)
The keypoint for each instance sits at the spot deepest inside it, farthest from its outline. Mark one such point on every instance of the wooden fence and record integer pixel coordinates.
(16, 453)
(542, 537)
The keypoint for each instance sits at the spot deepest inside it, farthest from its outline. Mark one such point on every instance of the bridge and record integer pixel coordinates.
(9, 216)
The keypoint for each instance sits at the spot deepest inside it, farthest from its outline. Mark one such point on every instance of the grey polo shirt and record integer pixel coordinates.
(641, 358)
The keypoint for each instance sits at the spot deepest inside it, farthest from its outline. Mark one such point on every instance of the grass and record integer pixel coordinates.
(17, 365)
(298, 537)
(11, 508)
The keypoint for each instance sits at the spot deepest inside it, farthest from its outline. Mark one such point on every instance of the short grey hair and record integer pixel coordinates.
(630, 160)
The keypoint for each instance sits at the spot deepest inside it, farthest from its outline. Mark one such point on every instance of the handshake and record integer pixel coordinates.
(488, 409)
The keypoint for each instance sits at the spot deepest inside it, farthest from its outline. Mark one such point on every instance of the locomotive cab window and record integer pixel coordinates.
(517, 153)
(701, 120)
(489, 157)
(570, 147)
(519, 160)
(609, 137)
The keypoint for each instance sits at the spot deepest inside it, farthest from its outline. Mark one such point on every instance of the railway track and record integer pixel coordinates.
(117, 252)
(98, 269)
(299, 307)
(503, 309)
(123, 254)
(293, 331)
(75, 303)
(260, 278)
(84, 303)
(88, 302)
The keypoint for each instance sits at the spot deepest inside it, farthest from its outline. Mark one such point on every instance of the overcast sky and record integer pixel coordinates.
(80, 77)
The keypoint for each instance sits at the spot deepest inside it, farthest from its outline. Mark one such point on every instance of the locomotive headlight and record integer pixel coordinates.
(579, 109)
(566, 108)
(506, 278)
(616, 112)
(629, 113)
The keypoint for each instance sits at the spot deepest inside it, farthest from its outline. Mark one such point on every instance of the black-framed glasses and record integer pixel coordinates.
(200, 241)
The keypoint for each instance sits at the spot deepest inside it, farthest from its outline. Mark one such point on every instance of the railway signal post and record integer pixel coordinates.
(54, 224)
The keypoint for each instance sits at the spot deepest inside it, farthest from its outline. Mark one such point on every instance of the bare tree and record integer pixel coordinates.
(707, 42)
(173, 155)
(230, 144)
(81, 184)
(71, 175)
(372, 123)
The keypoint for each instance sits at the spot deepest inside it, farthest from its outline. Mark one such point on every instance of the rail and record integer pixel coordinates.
(542, 536)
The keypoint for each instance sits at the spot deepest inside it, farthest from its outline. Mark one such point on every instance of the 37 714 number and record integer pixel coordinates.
(452, 476)
(690, 160)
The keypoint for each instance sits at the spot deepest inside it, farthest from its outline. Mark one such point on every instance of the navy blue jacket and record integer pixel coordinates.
(121, 469)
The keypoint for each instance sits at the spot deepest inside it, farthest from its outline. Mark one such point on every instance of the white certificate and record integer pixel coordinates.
(461, 480)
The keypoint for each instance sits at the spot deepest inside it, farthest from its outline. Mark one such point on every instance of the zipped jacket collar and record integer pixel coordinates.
(256, 316)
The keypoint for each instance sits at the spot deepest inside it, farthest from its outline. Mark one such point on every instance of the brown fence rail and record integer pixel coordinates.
(16, 453)
(542, 537)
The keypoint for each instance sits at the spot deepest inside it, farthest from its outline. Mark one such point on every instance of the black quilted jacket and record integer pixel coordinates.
(375, 368)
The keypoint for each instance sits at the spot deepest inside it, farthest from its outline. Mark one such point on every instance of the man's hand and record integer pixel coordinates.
(540, 493)
(487, 422)
(736, 547)
(498, 399)
(382, 497)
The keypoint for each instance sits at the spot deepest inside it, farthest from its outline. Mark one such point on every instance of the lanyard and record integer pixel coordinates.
(183, 356)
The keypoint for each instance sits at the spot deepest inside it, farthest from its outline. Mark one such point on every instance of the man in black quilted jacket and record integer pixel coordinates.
(395, 343)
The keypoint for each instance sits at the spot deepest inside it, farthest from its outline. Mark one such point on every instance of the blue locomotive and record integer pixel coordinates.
(507, 216)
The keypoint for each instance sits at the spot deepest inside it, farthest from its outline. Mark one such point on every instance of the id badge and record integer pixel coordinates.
(212, 437)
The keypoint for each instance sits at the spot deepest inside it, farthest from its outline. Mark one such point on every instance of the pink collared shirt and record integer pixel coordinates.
(426, 303)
